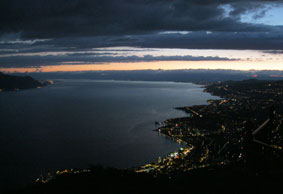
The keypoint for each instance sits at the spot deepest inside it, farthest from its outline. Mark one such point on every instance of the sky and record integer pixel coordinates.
(82, 35)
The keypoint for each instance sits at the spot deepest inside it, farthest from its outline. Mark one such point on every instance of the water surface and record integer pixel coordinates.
(74, 123)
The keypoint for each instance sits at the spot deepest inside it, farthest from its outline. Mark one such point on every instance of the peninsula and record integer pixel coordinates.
(13, 83)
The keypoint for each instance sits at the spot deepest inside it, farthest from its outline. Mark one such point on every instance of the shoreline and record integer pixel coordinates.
(16, 83)
(221, 125)
(216, 141)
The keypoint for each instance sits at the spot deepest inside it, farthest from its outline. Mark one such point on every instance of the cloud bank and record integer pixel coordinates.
(31, 27)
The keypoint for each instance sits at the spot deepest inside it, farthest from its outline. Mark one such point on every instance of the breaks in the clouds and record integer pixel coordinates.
(52, 18)
(97, 56)
(40, 32)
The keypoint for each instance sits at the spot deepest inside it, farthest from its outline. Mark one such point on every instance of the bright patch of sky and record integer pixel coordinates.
(244, 60)
(176, 32)
(154, 52)
(19, 41)
(272, 16)
(112, 52)
(227, 9)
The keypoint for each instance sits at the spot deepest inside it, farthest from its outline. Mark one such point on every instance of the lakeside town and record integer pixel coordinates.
(244, 126)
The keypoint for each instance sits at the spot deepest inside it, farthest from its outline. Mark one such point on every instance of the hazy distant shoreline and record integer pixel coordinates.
(200, 76)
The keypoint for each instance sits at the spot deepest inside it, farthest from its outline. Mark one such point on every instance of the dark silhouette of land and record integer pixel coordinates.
(12, 82)
(201, 76)
(235, 178)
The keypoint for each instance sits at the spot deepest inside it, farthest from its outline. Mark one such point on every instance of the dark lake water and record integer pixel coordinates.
(74, 123)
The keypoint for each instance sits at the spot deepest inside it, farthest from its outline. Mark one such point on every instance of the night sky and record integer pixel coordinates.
(80, 35)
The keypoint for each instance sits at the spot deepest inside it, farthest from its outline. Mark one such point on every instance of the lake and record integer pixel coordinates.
(74, 123)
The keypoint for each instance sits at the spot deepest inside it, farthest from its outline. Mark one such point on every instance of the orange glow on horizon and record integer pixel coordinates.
(155, 65)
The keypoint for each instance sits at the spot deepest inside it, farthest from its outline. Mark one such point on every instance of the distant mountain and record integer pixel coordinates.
(11, 82)
(201, 76)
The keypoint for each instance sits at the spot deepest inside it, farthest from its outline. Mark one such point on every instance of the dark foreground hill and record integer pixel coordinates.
(229, 179)
(10, 83)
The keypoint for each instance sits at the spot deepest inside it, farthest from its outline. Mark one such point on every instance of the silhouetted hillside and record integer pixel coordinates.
(195, 76)
(229, 179)
(9, 82)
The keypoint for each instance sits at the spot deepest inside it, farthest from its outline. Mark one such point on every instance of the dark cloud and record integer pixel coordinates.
(32, 27)
(275, 52)
(217, 40)
(193, 40)
(53, 18)
(86, 58)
